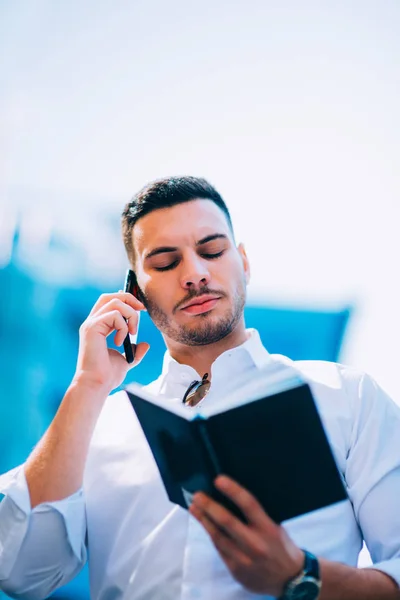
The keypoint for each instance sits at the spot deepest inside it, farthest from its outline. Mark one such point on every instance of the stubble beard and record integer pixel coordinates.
(207, 329)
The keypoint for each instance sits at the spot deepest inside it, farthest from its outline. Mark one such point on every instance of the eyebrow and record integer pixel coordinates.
(205, 240)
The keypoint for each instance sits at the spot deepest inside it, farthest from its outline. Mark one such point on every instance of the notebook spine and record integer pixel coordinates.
(209, 447)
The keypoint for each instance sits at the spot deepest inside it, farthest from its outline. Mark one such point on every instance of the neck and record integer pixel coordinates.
(201, 358)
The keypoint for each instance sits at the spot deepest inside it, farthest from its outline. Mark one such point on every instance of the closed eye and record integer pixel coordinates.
(167, 267)
(211, 256)
(207, 256)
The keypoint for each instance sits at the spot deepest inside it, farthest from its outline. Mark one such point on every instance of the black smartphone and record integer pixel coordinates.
(131, 286)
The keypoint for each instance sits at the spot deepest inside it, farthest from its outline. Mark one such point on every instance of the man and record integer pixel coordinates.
(92, 484)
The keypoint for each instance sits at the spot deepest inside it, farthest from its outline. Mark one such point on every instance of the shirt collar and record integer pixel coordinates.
(251, 352)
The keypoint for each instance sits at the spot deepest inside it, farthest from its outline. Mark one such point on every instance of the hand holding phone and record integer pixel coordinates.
(132, 288)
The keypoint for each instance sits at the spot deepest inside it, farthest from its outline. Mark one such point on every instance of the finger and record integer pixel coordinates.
(125, 297)
(107, 323)
(249, 540)
(140, 352)
(225, 545)
(247, 503)
(120, 335)
(127, 311)
(130, 315)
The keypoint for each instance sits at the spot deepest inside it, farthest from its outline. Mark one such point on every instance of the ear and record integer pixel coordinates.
(245, 262)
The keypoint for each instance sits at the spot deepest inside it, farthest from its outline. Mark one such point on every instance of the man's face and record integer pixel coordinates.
(192, 276)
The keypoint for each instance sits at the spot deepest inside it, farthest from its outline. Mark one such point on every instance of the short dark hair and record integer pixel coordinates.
(164, 193)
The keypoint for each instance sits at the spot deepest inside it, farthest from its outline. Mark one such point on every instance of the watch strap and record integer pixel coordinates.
(310, 573)
(311, 565)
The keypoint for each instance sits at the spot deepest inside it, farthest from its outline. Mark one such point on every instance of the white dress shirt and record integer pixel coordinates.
(143, 547)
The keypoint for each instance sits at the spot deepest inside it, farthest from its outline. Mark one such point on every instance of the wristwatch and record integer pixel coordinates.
(306, 585)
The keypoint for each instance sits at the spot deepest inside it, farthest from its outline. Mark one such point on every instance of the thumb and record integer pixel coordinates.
(140, 352)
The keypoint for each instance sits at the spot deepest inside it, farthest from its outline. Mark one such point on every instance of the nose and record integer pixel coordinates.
(195, 274)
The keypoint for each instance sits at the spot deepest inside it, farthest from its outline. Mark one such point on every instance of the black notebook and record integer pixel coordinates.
(265, 434)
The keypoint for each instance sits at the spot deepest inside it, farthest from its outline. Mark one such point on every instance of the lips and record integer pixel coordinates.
(200, 305)
(200, 300)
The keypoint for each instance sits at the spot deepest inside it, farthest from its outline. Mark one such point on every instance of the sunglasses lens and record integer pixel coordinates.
(197, 394)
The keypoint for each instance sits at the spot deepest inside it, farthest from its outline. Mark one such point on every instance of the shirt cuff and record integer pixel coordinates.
(13, 484)
(391, 567)
(13, 520)
(72, 509)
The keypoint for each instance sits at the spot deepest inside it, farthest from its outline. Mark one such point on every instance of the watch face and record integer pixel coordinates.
(306, 590)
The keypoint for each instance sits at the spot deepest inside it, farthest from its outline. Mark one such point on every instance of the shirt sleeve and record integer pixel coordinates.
(40, 549)
(373, 474)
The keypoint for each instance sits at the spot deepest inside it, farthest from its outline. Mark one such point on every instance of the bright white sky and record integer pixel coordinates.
(291, 109)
